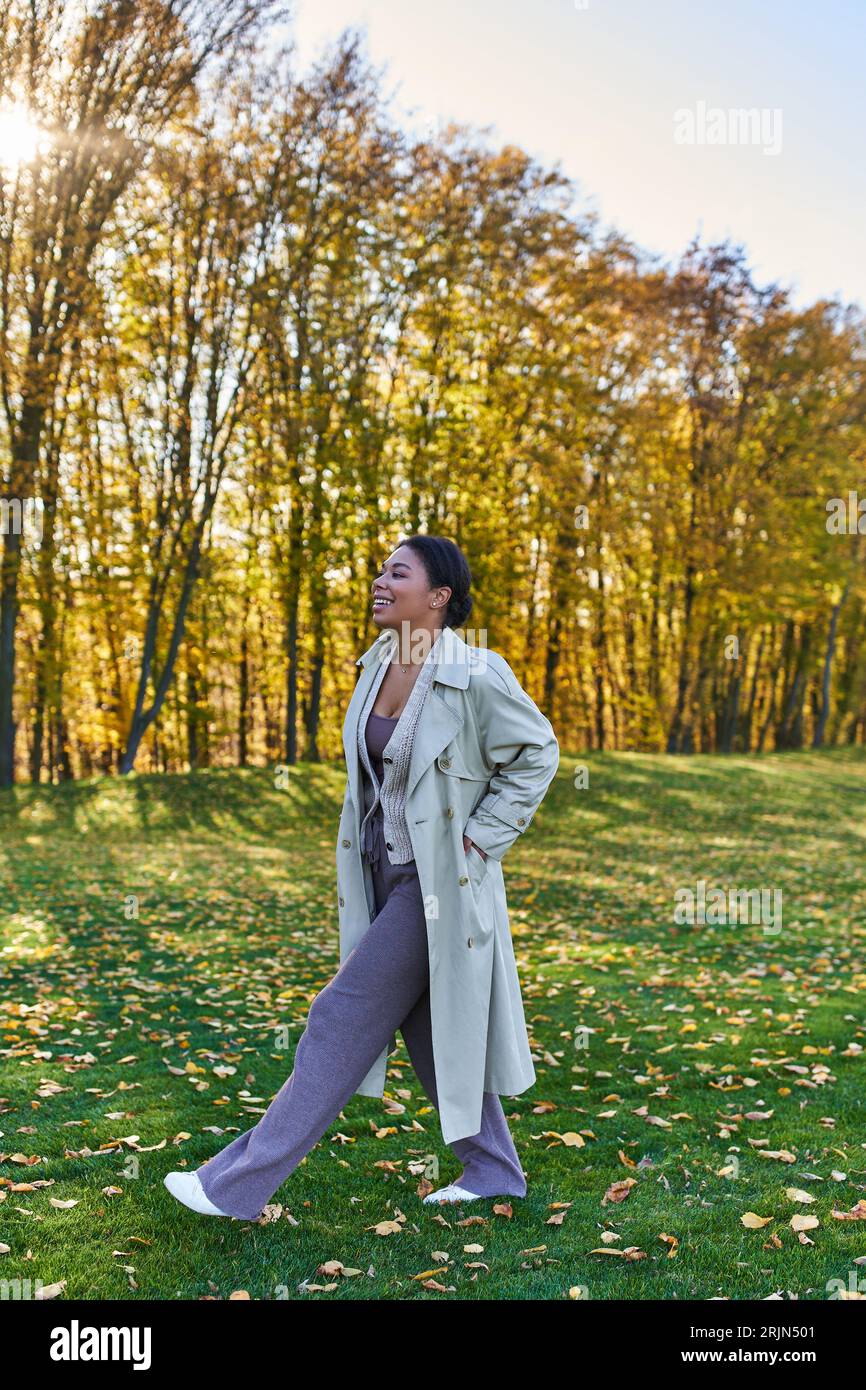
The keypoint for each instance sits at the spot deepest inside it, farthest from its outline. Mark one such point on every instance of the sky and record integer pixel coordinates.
(620, 96)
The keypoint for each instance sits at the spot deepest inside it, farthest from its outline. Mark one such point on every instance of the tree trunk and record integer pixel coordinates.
(750, 710)
(676, 736)
(143, 718)
(789, 731)
(244, 694)
(826, 682)
(25, 454)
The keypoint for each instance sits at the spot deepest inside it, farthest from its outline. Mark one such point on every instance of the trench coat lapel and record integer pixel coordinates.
(367, 662)
(437, 726)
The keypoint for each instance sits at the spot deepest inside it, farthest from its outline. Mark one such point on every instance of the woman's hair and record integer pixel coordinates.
(445, 564)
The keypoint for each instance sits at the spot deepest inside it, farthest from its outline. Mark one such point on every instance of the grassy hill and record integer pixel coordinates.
(161, 939)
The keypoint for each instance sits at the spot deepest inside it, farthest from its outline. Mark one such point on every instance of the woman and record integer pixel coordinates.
(448, 760)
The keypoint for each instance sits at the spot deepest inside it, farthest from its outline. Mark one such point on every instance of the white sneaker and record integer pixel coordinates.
(452, 1193)
(187, 1188)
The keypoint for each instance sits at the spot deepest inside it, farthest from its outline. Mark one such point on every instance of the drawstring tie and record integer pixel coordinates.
(371, 844)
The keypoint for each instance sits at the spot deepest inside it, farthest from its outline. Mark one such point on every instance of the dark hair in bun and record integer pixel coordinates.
(445, 564)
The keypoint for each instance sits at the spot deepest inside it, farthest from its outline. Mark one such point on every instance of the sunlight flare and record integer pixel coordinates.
(21, 138)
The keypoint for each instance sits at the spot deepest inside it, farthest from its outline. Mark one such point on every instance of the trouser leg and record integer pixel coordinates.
(491, 1167)
(349, 1023)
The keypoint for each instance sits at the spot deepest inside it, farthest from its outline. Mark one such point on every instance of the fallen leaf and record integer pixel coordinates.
(618, 1191)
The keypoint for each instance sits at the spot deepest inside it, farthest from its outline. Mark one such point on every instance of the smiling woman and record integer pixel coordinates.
(430, 808)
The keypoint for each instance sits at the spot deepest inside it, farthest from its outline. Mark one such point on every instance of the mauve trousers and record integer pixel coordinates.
(381, 986)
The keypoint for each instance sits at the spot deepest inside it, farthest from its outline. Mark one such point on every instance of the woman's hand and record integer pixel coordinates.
(470, 844)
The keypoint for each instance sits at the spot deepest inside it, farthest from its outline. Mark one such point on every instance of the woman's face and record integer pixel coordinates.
(402, 594)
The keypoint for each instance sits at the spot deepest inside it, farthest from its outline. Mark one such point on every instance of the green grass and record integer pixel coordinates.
(131, 1009)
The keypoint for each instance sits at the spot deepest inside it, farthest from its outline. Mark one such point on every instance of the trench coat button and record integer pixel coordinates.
(388, 844)
(341, 902)
(444, 762)
(347, 844)
(450, 812)
(520, 820)
(470, 941)
(464, 879)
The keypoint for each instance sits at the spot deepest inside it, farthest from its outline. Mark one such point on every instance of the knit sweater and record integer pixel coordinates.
(396, 757)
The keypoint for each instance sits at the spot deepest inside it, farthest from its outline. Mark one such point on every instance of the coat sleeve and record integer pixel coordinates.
(520, 741)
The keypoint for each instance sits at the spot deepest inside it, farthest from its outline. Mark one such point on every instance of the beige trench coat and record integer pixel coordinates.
(482, 760)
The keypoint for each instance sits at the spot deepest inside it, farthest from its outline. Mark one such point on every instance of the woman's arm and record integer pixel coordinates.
(519, 740)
